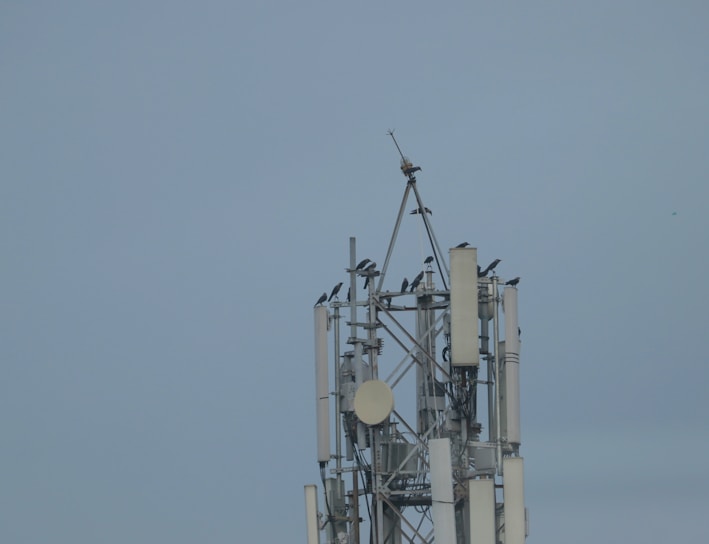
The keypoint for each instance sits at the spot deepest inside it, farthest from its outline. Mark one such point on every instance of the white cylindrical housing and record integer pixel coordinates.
(512, 349)
(311, 514)
(322, 383)
(513, 486)
(442, 505)
(464, 307)
(481, 496)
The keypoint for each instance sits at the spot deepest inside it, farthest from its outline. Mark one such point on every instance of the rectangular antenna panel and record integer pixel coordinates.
(322, 384)
(465, 350)
(513, 487)
(311, 514)
(481, 494)
(442, 503)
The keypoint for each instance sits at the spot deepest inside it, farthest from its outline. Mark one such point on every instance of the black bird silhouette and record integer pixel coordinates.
(404, 285)
(335, 290)
(418, 211)
(322, 299)
(480, 274)
(490, 267)
(428, 259)
(362, 264)
(513, 282)
(370, 268)
(464, 244)
(415, 283)
(348, 293)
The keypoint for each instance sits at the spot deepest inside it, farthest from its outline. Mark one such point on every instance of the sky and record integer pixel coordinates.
(179, 182)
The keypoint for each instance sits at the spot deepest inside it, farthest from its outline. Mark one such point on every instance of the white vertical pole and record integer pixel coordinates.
(311, 514)
(513, 486)
(498, 363)
(442, 505)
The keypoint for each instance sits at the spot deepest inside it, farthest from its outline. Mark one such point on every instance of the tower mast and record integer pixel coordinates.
(418, 462)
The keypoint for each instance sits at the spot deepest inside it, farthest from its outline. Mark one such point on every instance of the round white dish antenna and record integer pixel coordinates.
(373, 402)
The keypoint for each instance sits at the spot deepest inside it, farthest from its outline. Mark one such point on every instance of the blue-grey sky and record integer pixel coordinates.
(178, 183)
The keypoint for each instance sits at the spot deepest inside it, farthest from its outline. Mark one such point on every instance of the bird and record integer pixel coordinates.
(349, 289)
(464, 244)
(335, 290)
(428, 259)
(418, 211)
(513, 282)
(415, 283)
(404, 285)
(362, 264)
(322, 299)
(370, 268)
(490, 267)
(480, 274)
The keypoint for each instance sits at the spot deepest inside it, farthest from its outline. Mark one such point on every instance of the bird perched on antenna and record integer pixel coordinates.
(408, 168)
(322, 299)
(418, 211)
(428, 260)
(362, 264)
(513, 282)
(335, 290)
(404, 285)
(370, 268)
(490, 268)
(415, 283)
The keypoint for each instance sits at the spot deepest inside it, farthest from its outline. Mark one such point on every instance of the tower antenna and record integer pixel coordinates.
(444, 466)
(390, 132)
(407, 166)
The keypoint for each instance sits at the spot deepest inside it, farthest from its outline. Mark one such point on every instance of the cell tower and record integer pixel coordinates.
(427, 437)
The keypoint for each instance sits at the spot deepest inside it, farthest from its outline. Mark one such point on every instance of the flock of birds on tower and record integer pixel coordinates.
(367, 266)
